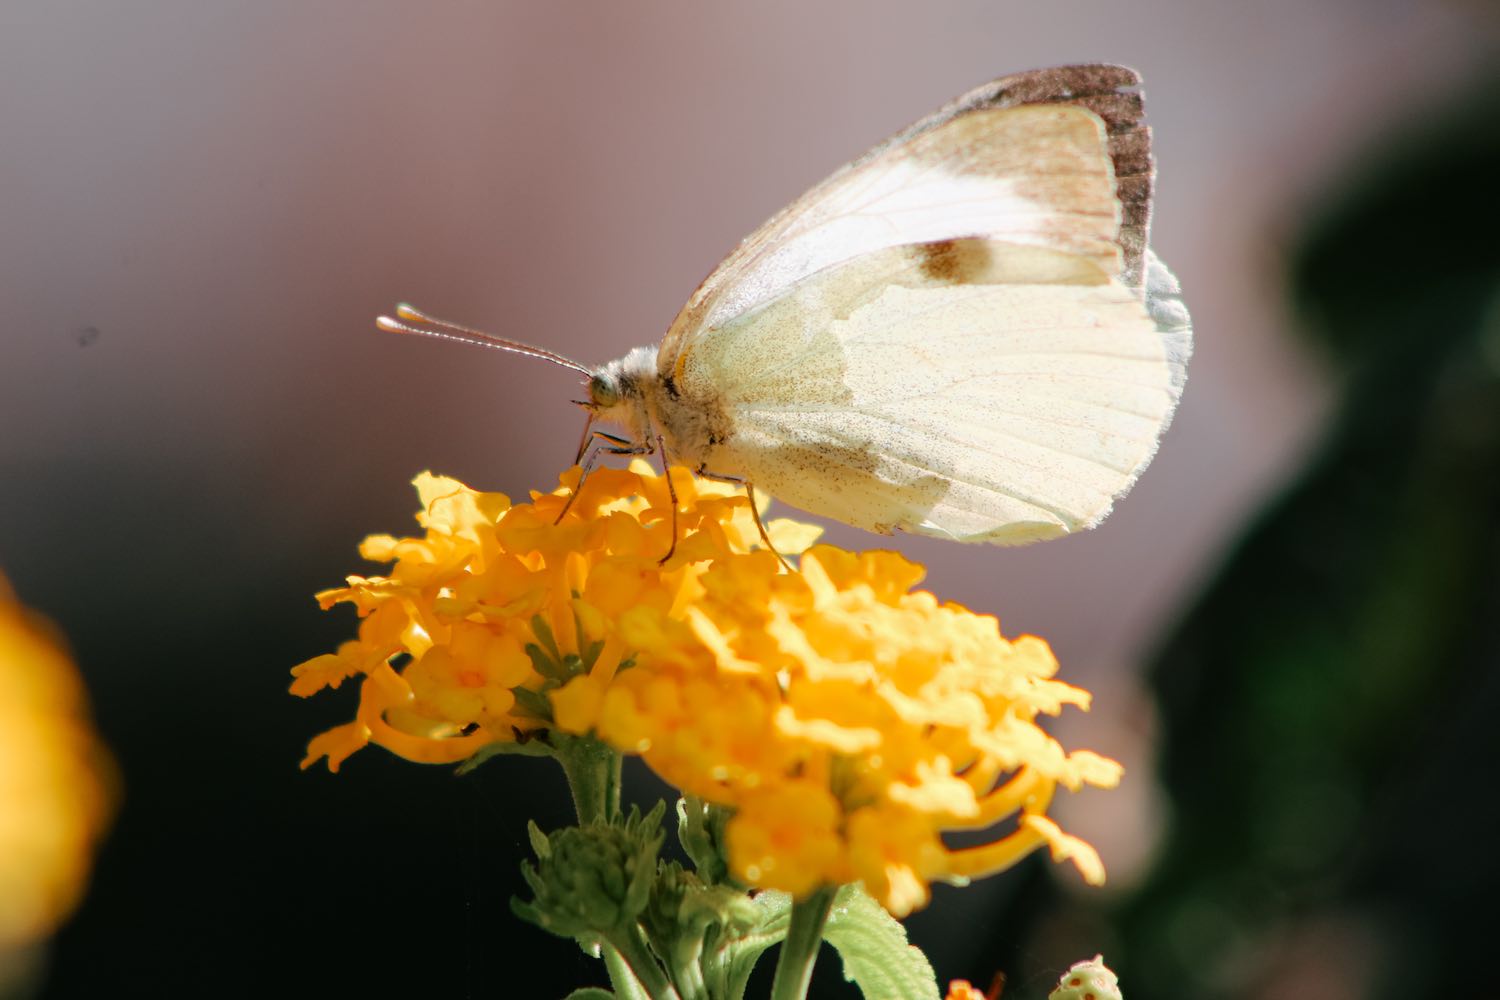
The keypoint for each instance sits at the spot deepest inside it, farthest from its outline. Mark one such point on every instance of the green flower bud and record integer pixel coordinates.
(592, 881)
(684, 908)
(1091, 980)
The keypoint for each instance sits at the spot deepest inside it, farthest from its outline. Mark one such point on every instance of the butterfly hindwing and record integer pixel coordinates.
(971, 389)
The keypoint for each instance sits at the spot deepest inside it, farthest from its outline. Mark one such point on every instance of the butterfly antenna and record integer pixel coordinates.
(417, 323)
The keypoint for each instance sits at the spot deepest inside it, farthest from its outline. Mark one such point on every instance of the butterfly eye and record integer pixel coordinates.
(603, 392)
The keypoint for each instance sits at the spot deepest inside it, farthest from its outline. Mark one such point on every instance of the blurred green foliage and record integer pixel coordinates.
(1331, 702)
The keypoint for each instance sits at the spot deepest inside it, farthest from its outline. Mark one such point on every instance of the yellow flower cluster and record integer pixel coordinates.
(848, 720)
(54, 799)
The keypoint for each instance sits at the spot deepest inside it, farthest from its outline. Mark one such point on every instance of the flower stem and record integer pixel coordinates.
(687, 975)
(641, 965)
(593, 772)
(627, 987)
(804, 935)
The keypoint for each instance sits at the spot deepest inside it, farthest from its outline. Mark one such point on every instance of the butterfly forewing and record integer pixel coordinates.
(1032, 174)
(841, 217)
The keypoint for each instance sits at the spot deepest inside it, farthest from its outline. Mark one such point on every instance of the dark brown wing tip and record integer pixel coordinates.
(1112, 93)
(1057, 84)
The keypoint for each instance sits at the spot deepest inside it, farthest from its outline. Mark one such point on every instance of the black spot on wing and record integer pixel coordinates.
(951, 262)
(939, 261)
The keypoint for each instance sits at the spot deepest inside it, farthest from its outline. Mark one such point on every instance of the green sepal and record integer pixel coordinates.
(533, 704)
(543, 633)
(590, 993)
(552, 670)
(540, 845)
(700, 830)
(590, 650)
(555, 668)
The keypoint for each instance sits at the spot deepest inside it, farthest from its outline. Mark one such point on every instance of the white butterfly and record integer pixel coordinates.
(962, 333)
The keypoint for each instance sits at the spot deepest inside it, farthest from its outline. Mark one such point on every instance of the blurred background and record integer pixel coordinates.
(1292, 625)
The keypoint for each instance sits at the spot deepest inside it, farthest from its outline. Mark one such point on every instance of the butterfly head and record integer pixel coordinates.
(617, 392)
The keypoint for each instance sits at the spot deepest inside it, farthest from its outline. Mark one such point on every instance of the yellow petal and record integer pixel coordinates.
(1066, 847)
(336, 744)
(792, 537)
(577, 705)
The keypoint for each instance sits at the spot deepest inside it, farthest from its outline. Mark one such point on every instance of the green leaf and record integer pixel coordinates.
(520, 748)
(590, 993)
(873, 947)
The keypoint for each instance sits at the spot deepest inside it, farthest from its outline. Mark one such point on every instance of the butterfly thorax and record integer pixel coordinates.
(632, 393)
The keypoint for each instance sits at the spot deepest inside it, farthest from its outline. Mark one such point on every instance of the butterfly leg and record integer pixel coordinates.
(616, 446)
(587, 438)
(754, 509)
(666, 470)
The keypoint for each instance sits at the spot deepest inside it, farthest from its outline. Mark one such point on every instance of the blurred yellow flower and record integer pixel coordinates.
(848, 720)
(54, 797)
